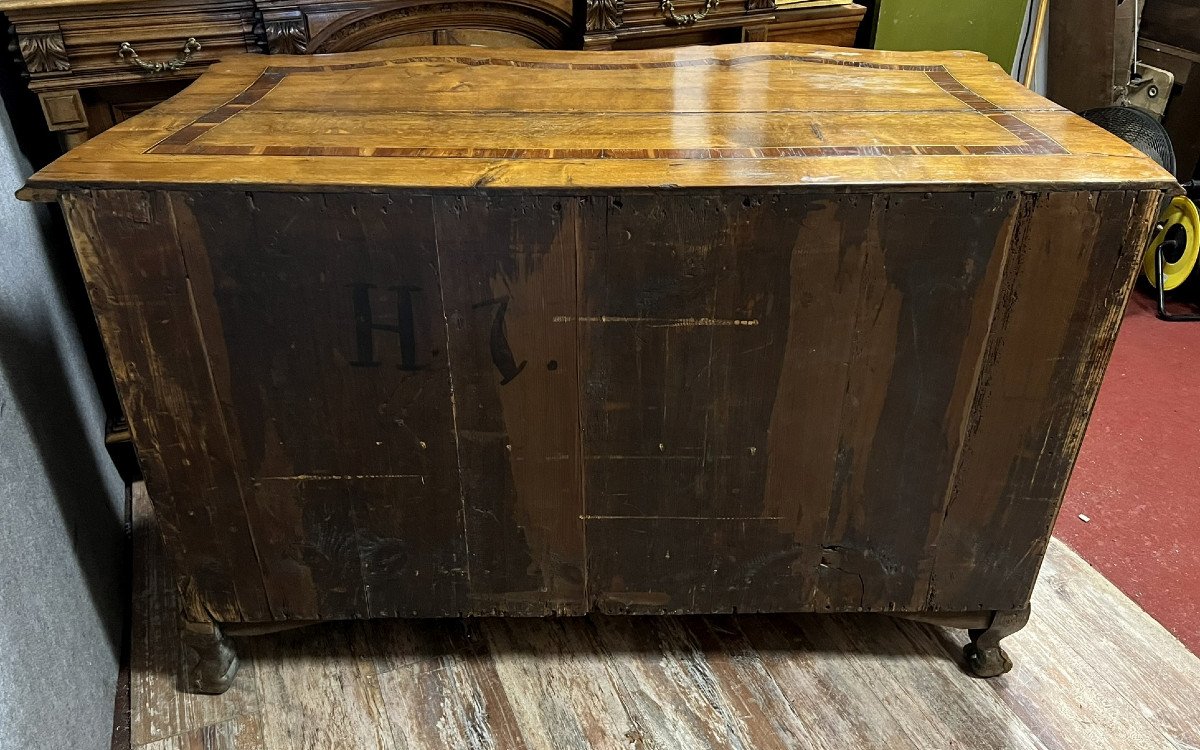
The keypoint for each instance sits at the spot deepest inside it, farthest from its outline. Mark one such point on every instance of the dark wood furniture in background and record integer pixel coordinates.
(762, 327)
(86, 81)
(642, 24)
(1090, 51)
(1170, 39)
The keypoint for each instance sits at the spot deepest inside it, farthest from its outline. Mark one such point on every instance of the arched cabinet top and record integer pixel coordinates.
(542, 24)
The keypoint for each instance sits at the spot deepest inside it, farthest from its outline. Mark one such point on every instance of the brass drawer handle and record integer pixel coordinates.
(128, 53)
(687, 19)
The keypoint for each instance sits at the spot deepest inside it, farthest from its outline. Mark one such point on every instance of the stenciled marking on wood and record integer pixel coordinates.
(502, 353)
(184, 141)
(365, 326)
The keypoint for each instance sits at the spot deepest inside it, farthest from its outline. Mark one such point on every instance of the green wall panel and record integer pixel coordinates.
(992, 27)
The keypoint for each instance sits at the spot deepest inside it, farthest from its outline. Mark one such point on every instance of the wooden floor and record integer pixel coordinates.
(1092, 671)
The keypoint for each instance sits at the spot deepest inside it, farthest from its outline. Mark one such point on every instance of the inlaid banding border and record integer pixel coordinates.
(183, 141)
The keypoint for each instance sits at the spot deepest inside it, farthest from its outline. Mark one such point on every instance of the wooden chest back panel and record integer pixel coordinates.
(362, 405)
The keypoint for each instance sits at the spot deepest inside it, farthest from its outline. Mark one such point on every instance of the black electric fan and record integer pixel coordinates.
(1175, 248)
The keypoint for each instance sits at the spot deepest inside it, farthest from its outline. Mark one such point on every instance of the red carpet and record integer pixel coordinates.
(1138, 476)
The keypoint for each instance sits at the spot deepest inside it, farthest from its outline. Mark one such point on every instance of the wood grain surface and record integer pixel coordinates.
(502, 404)
(764, 114)
(1092, 670)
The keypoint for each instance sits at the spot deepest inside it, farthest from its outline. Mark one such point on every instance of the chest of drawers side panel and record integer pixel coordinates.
(133, 266)
(1070, 269)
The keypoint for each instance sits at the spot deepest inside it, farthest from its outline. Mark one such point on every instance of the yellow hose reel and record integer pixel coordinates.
(1181, 233)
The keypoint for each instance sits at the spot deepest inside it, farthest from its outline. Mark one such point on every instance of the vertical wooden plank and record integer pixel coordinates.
(137, 282)
(681, 302)
(159, 709)
(825, 276)
(1068, 275)
(1081, 62)
(922, 321)
(508, 271)
(684, 307)
(322, 316)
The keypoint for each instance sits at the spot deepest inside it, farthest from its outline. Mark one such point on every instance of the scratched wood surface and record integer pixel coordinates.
(764, 114)
(1092, 670)
(400, 404)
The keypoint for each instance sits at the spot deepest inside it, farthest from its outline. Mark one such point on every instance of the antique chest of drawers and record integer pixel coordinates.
(448, 331)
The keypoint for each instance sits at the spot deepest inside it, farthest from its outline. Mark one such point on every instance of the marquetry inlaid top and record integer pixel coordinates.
(731, 116)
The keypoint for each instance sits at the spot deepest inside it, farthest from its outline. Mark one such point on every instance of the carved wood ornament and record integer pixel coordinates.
(357, 31)
(760, 4)
(604, 15)
(44, 52)
(288, 37)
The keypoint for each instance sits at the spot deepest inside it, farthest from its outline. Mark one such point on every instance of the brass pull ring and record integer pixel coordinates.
(128, 53)
(687, 19)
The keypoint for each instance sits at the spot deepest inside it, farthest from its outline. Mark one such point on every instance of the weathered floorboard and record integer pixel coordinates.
(450, 695)
(340, 701)
(163, 710)
(562, 691)
(1091, 670)
(240, 733)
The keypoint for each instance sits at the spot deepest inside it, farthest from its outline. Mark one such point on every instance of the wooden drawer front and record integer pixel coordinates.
(92, 41)
(643, 14)
(839, 31)
(642, 24)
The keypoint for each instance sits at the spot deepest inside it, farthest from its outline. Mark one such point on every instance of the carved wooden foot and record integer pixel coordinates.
(209, 660)
(984, 656)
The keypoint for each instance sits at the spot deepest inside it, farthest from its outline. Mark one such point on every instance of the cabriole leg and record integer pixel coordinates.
(209, 660)
(984, 656)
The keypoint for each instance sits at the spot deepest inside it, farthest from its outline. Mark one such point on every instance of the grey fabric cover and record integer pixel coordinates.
(61, 501)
